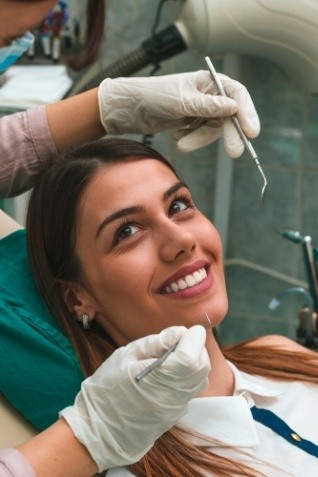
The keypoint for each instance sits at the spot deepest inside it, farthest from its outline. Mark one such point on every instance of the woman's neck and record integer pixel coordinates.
(221, 379)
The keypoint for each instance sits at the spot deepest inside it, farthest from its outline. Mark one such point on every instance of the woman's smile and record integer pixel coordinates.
(190, 281)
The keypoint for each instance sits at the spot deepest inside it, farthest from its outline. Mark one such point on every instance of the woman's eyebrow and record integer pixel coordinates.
(137, 208)
(173, 189)
(118, 215)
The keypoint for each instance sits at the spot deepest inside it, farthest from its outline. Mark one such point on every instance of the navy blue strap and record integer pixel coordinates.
(269, 419)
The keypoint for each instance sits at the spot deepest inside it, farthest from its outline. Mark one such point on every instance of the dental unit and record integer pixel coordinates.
(307, 331)
(284, 32)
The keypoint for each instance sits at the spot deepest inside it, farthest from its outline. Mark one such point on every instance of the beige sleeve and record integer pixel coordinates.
(25, 144)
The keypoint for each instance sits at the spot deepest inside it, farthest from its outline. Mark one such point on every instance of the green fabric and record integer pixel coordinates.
(39, 372)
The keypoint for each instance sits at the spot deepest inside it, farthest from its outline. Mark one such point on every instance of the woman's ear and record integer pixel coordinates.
(78, 300)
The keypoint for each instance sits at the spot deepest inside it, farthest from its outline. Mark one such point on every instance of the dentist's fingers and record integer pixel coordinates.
(233, 144)
(190, 140)
(153, 346)
(246, 111)
(190, 358)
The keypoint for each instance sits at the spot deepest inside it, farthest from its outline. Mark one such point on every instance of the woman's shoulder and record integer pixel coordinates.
(281, 342)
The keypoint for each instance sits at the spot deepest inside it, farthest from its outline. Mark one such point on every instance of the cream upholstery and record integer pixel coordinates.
(7, 225)
(14, 429)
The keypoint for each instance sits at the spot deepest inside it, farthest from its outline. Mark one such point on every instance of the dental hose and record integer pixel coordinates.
(161, 46)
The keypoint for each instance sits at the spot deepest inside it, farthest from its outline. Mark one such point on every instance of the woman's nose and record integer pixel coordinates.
(176, 241)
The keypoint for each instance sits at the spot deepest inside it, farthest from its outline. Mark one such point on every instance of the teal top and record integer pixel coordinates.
(39, 372)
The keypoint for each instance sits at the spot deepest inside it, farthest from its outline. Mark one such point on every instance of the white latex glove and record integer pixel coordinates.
(188, 103)
(119, 419)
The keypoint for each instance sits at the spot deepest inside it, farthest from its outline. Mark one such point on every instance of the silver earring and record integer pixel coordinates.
(85, 321)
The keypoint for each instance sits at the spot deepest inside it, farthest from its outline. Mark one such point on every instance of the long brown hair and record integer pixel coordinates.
(51, 231)
(95, 25)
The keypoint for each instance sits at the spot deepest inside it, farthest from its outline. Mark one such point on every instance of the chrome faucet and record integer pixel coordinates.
(307, 332)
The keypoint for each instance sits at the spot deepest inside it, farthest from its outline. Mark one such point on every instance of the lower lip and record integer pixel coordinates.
(195, 291)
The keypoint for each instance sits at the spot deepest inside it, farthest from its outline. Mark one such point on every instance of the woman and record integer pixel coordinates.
(187, 103)
(119, 250)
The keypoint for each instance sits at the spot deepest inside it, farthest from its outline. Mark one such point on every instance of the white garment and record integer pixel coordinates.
(27, 86)
(229, 419)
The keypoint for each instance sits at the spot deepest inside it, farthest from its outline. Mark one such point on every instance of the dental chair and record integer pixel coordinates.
(40, 373)
(14, 428)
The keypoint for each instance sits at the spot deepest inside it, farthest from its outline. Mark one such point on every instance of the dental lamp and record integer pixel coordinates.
(285, 32)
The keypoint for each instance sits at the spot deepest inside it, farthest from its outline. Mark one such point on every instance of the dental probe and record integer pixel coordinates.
(160, 360)
(155, 364)
(239, 129)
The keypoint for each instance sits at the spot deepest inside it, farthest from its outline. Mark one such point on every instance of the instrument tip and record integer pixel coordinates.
(207, 317)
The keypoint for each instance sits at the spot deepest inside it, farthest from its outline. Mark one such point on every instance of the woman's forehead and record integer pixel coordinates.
(130, 173)
(120, 184)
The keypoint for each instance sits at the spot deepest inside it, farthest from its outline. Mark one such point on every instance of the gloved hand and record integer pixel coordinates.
(119, 419)
(188, 103)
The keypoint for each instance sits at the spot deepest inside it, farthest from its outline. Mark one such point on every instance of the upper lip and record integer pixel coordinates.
(182, 272)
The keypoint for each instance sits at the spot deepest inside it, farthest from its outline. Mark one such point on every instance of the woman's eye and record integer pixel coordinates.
(125, 232)
(178, 206)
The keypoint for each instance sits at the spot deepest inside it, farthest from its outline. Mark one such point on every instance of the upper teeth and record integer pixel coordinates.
(186, 282)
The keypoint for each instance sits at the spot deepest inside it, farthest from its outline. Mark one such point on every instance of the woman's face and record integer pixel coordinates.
(17, 17)
(150, 258)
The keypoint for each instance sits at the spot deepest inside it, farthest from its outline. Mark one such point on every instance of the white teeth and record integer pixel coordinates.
(174, 287)
(190, 280)
(182, 284)
(187, 282)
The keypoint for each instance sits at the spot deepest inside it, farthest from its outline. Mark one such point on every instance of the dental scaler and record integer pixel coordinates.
(155, 364)
(234, 118)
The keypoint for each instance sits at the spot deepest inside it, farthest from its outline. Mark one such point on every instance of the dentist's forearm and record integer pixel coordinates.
(56, 452)
(75, 119)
